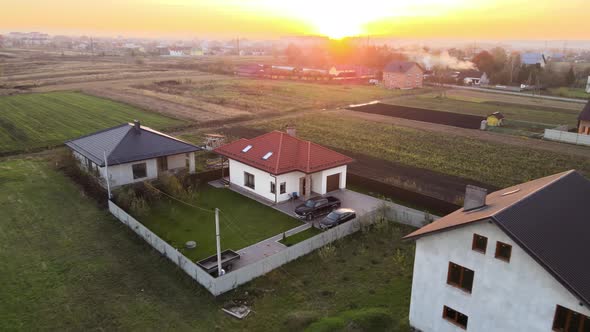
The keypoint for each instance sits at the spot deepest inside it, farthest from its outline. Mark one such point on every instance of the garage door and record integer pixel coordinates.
(333, 182)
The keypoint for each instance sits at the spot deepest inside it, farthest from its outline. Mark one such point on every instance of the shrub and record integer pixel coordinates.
(66, 163)
(327, 324)
(298, 320)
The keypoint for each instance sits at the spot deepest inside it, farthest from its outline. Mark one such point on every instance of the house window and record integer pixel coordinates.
(460, 277)
(480, 243)
(455, 317)
(163, 163)
(139, 171)
(503, 251)
(283, 187)
(249, 180)
(567, 320)
(273, 188)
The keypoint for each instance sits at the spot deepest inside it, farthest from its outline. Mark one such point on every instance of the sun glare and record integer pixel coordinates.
(339, 19)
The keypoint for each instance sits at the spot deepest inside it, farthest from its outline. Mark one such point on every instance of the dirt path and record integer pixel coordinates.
(473, 133)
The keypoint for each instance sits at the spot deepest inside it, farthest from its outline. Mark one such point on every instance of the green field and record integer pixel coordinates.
(66, 265)
(243, 222)
(31, 121)
(569, 92)
(492, 163)
(520, 119)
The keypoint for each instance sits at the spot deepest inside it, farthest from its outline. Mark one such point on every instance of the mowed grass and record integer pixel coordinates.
(260, 95)
(301, 236)
(243, 222)
(520, 118)
(31, 121)
(569, 92)
(492, 163)
(67, 265)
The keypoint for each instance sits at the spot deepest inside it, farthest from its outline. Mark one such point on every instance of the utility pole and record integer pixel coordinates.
(106, 169)
(220, 272)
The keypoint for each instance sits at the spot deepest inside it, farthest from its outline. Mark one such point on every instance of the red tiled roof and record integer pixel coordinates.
(288, 154)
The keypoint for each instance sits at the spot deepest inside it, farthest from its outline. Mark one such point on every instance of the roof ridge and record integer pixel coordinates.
(156, 132)
(119, 143)
(559, 176)
(279, 153)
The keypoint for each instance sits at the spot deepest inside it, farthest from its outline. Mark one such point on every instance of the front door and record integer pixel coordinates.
(302, 186)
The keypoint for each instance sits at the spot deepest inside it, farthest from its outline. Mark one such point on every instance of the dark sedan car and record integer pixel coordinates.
(337, 217)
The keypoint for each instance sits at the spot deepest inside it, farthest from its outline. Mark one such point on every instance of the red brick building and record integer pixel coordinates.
(403, 75)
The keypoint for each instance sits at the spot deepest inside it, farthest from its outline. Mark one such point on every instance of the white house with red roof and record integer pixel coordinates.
(278, 166)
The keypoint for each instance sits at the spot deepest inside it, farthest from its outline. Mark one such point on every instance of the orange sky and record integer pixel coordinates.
(470, 19)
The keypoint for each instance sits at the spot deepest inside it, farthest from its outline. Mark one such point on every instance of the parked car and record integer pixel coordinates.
(317, 206)
(337, 217)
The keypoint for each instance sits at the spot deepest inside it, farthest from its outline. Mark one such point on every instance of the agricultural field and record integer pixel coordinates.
(32, 121)
(496, 164)
(58, 260)
(259, 96)
(524, 116)
(243, 221)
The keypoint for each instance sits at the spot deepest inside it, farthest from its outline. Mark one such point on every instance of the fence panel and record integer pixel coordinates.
(245, 274)
(564, 136)
(164, 248)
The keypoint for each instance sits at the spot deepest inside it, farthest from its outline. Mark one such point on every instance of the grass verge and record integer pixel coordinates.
(301, 236)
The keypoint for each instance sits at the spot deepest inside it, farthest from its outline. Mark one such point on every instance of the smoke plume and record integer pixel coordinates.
(441, 60)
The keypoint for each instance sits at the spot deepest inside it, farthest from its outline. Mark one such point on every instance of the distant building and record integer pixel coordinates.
(533, 59)
(588, 85)
(473, 77)
(495, 119)
(584, 120)
(403, 75)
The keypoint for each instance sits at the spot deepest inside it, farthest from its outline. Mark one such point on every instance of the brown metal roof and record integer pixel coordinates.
(549, 218)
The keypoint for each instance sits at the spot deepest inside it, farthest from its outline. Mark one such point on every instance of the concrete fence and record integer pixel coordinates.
(564, 136)
(233, 279)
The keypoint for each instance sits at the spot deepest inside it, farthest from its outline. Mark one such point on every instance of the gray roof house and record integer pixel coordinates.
(133, 153)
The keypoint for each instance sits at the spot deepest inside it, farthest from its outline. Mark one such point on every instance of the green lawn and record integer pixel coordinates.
(301, 236)
(520, 119)
(67, 265)
(32, 121)
(569, 92)
(243, 222)
(492, 163)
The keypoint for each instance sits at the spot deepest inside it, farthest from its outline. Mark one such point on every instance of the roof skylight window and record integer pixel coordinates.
(246, 149)
(266, 156)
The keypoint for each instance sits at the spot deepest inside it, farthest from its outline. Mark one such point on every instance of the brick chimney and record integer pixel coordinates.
(291, 130)
(137, 126)
(475, 198)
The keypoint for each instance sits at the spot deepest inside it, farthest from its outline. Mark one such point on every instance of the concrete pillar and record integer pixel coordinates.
(191, 162)
(307, 193)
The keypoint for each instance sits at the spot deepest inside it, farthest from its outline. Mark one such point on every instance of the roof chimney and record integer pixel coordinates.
(291, 130)
(475, 197)
(137, 126)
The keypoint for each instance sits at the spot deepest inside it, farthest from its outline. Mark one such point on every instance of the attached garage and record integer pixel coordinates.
(333, 182)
